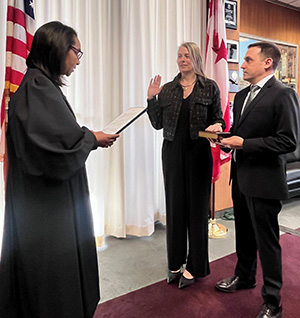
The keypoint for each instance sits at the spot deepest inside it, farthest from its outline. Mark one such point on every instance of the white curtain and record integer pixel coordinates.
(125, 43)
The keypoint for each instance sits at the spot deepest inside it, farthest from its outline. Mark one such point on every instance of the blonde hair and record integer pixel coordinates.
(196, 57)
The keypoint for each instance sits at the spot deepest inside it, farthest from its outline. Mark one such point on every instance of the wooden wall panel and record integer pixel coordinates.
(264, 19)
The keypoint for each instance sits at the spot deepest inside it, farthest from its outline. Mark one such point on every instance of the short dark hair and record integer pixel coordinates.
(268, 50)
(50, 46)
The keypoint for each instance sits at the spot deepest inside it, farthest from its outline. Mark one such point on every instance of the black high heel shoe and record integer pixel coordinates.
(173, 276)
(185, 282)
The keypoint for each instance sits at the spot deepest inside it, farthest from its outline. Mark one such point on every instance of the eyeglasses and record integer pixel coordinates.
(78, 52)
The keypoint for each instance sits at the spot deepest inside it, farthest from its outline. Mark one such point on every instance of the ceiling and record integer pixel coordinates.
(293, 4)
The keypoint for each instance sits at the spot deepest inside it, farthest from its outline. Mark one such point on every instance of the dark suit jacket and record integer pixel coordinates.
(270, 127)
(205, 107)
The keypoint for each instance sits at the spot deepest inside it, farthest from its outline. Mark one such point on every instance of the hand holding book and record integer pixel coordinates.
(214, 135)
(214, 132)
(234, 142)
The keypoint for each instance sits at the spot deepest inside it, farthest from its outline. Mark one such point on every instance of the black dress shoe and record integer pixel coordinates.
(173, 276)
(267, 312)
(232, 284)
(185, 282)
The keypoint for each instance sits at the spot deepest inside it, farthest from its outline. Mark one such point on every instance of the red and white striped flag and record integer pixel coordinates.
(19, 35)
(216, 68)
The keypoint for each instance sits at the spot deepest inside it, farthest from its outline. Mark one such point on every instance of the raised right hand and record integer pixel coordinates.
(154, 87)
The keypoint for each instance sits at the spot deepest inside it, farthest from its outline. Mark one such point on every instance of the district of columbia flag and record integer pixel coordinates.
(216, 68)
(19, 34)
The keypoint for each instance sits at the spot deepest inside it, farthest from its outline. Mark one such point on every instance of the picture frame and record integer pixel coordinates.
(230, 12)
(233, 81)
(232, 51)
(287, 70)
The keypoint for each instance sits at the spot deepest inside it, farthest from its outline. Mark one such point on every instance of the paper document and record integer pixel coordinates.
(124, 120)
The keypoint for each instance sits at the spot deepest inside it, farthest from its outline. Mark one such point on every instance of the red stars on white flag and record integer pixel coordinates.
(216, 68)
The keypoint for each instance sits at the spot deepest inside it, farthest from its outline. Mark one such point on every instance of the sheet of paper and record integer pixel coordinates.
(124, 120)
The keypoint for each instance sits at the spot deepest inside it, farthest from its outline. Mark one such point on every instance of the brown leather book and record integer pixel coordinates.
(214, 135)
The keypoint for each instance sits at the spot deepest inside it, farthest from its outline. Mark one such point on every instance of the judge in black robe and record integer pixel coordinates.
(48, 265)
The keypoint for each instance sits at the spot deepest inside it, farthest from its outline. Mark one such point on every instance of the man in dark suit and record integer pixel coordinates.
(264, 130)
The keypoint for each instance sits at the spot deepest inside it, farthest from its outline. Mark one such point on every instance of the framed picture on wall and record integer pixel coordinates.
(233, 81)
(230, 12)
(232, 51)
(286, 71)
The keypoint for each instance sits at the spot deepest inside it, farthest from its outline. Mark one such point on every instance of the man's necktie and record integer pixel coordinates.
(253, 89)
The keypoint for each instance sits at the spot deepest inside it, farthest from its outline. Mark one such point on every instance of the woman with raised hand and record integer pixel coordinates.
(183, 107)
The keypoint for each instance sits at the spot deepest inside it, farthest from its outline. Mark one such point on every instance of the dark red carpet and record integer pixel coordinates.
(201, 300)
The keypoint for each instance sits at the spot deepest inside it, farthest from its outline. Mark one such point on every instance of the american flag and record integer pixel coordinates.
(20, 29)
(216, 67)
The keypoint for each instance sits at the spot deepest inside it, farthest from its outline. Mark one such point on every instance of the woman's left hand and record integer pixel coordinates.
(214, 128)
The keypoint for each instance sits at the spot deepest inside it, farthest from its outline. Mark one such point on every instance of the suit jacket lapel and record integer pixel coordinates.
(256, 100)
(239, 105)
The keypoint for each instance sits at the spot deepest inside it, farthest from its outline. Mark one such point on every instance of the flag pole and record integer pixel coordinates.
(5, 161)
(215, 230)
(216, 68)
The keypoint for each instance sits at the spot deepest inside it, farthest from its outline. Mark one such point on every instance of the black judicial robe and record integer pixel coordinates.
(48, 265)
